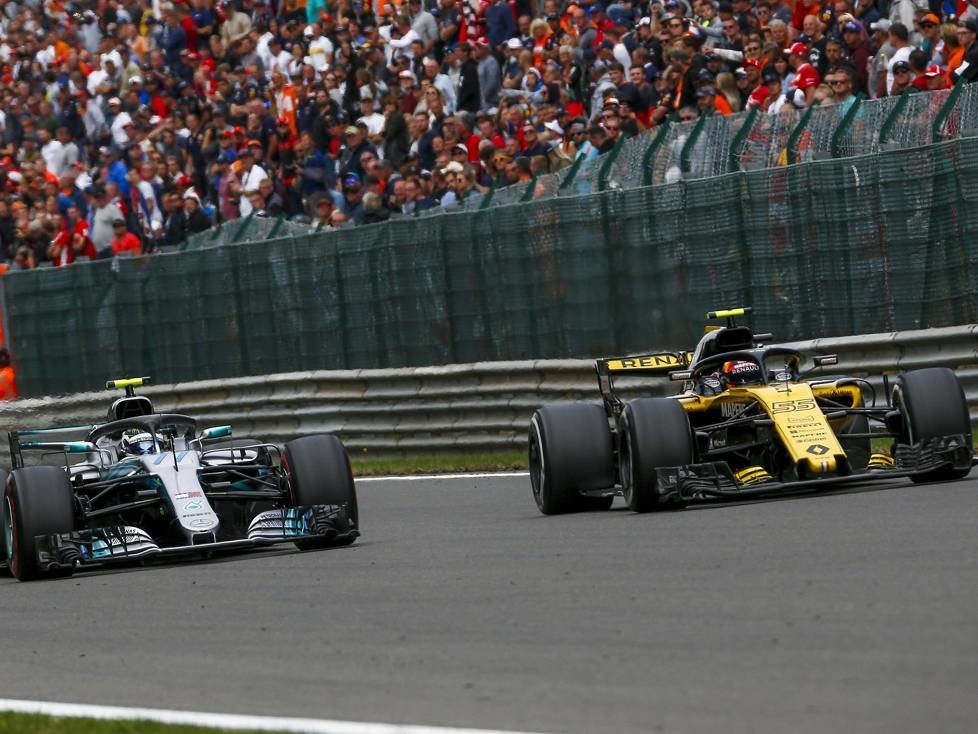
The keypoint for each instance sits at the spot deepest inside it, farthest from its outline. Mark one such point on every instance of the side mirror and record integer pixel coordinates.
(681, 375)
(826, 360)
(215, 432)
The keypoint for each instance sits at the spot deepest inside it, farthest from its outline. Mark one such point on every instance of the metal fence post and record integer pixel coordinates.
(571, 174)
(488, 197)
(243, 228)
(649, 157)
(279, 221)
(528, 193)
(796, 133)
(694, 135)
(609, 161)
(894, 115)
(739, 138)
(844, 124)
(946, 109)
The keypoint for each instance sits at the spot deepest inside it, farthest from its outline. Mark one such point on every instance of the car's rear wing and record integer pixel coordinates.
(658, 363)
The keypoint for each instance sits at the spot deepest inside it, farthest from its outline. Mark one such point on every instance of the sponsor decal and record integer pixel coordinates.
(787, 406)
(200, 523)
(711, 382)
(647, 362)
(194, 505)
(187, 495)
(817, 449)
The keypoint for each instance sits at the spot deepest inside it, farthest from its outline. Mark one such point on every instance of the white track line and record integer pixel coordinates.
(429, 477)
(227, 721)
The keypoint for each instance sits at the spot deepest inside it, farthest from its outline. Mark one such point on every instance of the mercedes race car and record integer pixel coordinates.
(750, 421)
(149, 485)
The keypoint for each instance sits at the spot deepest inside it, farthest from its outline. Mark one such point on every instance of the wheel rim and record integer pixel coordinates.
(8, 530)
(625, 462)
(536, 462)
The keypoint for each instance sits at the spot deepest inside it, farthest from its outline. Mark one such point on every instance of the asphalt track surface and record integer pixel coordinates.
(853, 611)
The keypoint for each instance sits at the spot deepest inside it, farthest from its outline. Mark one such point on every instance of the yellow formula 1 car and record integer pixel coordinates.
(748, 422)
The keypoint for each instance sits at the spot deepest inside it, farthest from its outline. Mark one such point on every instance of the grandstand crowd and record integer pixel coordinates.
(128, 125)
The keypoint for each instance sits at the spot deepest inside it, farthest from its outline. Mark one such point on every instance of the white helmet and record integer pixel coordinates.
(136, 443)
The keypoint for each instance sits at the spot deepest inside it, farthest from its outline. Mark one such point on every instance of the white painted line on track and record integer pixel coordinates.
(429, 477)
(227, 721)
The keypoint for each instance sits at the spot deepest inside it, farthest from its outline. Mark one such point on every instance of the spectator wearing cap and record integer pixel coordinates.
(932, 78)
(968, 69)
(804, 77)
(355, 144)
(899, 39)
(903, 77)
(929, 26)
(858, 52)
(351, 202)
(124, 241)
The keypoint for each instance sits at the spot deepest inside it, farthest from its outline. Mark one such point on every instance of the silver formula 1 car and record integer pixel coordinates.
(149, 485)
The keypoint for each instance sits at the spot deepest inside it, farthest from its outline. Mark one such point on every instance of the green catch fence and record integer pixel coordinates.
(827, 247)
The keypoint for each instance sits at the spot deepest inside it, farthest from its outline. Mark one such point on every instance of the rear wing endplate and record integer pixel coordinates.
(659, 363)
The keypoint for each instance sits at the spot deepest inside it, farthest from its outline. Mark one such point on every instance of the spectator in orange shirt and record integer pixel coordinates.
(124, 240)
(8, 385)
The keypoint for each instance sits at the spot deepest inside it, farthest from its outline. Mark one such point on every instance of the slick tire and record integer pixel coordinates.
(570, 452)
(933, 405)
(654, 433)
(318, 471)
(4, 569)
(38, 500)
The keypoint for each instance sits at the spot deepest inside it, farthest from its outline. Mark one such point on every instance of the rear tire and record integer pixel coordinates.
(319, 473)
(4, 569)
(38, 500)
(654, 433)
(933, 405)
(570, 452)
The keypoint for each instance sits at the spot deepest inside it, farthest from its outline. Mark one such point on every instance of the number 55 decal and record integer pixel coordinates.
(786, 406)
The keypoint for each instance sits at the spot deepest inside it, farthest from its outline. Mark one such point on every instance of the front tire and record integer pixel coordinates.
(933, 406)
(318, 471)
(38, 500)
(654, 433)
(570, 453)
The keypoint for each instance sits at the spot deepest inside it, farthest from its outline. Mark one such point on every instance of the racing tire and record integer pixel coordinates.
(38, 500)
(933, 405)
(570, 452)
(4, 569)
(318, 472)
(654, 433)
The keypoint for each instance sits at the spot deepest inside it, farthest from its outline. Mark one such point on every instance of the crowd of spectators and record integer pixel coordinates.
(127, 125)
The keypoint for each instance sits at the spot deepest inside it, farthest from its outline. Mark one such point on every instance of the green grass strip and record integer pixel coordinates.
(365, 465)
(36, 724)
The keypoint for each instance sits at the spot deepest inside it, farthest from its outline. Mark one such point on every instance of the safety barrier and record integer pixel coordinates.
(477, 407)
(715, 145)
(830, 247)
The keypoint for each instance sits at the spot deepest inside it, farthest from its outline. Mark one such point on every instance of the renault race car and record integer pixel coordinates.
(748, 422)
(149, 485)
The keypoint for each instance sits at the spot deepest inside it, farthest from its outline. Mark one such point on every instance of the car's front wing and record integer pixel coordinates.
(328, 523)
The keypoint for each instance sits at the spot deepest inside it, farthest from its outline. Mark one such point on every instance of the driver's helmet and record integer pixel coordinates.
(136, 443)
(743, 372)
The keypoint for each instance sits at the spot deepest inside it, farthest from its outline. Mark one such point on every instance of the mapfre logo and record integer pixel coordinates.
(787, 406)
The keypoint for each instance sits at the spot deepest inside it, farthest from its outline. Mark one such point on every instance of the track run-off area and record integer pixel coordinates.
(462, 606)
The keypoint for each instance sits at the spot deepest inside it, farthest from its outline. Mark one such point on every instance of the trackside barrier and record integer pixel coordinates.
(454, 408)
